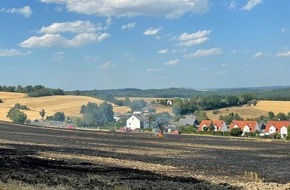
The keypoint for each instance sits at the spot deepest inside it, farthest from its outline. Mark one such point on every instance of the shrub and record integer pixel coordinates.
(236, 132)
(16, 116)
(21, 107)
(1, 101)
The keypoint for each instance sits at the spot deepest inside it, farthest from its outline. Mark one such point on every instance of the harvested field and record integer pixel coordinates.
(70, 105)
(262, 108)
(72, 159)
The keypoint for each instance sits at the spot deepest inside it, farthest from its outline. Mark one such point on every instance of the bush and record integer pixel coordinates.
(21, 107)
(236, 132)
(16, 116)
(1, 101)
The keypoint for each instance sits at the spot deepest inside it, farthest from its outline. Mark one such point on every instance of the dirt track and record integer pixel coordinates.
(86, 160)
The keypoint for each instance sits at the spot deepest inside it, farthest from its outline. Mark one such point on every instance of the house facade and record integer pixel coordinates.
(245, 126)
(137, 122)
(219, 125)
(277, 127)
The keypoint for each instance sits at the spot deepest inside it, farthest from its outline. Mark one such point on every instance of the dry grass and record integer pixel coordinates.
(262, 108)
(274, 106)
(70, 105)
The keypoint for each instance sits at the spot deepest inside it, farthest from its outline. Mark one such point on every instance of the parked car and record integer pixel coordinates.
(176, 132)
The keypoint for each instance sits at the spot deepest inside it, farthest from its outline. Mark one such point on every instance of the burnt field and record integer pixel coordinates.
(73, 159)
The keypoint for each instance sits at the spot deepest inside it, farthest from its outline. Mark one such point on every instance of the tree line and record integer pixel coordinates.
(33, 91)
(189, 105)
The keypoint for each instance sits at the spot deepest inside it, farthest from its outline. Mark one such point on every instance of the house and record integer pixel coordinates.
(277, 127)
(245, 126)
(169, 102)
(219, 125)
(138, 122)
(188, 121)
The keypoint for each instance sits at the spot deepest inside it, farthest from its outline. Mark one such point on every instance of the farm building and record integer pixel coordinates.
(245, 126)
(138, 122)
(277, 127)
(218, 125)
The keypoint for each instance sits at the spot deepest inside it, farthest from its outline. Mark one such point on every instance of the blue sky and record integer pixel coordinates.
(109, 44)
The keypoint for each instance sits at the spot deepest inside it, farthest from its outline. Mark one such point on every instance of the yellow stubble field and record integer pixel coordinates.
(70, 105)
(262, 108)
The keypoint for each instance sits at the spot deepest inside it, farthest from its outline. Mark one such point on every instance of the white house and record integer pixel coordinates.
(277, 127)
(137, 122)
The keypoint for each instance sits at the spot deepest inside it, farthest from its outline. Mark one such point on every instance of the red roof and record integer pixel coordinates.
(242, 124)
(217, 123)
(277, 124)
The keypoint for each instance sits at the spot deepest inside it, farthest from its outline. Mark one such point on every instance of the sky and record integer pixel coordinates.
(112, 44)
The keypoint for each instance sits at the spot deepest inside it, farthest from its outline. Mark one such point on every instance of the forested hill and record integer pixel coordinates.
(273, 93)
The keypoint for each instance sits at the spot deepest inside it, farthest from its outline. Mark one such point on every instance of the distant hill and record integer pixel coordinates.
(275, 92)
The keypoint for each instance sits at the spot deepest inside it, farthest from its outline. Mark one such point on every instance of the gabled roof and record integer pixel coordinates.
(242, 124)
(217, 123)
(141, 117)
(277, 124)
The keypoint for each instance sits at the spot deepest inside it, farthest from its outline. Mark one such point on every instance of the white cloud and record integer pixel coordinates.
(120, 8)
(162, 51)
(251, 4)
(172, 62)
(12, 52)
(58, 57)
(283, 54)
(151, 31)
(107, 65)
(25, 11)
(84, 32)
(103, 36)
(56, 40)
(206, 52)
(258, 54)
(70, 27)
(151, 70)
(128, 26)
(192, 39)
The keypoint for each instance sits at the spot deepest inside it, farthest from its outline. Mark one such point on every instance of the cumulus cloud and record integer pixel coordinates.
(172, 62)
(71, 27)
(258, 54)
(128, 26)
(151, 31)
(251, 4)
(25, 11)
(199, 37)
(204, 52)
(12, 52)
(283, 54)
(107, 65)
(129, 8)
(162, 51)
(55, 35)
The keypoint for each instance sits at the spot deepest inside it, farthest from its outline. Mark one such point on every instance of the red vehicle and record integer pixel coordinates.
(176, 132)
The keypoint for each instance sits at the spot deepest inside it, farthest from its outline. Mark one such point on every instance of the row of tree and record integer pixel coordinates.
(33, 91)
(185, 106)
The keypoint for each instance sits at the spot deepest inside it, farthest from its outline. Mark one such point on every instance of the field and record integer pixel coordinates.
(43, 158)
(70, 105)
(262, 108)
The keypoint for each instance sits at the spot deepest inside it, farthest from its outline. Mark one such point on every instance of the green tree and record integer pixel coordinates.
(94, 115)
(211, 127)
(137, 105)
(236, 132)
(42, 113)
(271, 115)
(16, 116)
(59, 116)
(127, 101)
